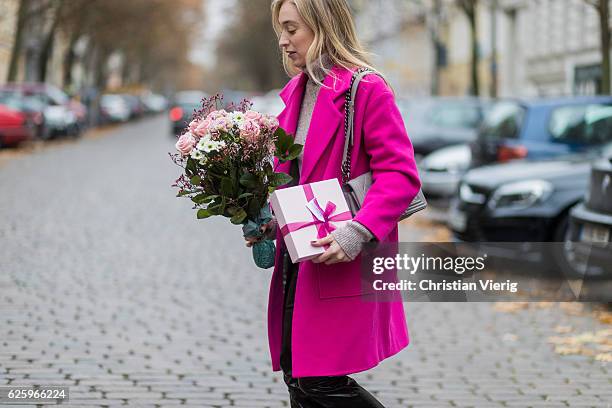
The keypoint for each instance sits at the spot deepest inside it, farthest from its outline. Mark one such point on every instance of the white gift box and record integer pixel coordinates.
(309, 212)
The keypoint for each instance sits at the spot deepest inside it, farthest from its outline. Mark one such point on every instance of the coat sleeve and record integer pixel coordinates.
(395, 179)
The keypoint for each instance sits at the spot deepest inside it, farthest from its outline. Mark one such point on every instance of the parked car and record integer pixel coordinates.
(591, 222)
(524, 201)
(540, 128)
(114, 109)
(135, 105)
(434, 123)
(80, 111)
(14, 127)
(59, 114)
(184, 105)
(441, 171)
(31, 107)
(154, 103)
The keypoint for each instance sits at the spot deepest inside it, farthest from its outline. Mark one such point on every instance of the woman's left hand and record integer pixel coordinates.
(333, 254)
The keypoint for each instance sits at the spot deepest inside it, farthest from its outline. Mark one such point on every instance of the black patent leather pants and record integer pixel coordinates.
(315, 392)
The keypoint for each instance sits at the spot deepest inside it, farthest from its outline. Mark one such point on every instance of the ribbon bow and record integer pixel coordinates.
(322, 219)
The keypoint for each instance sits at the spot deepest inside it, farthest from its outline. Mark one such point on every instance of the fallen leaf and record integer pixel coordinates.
(606, 357)
(510, 307)
(563, 329)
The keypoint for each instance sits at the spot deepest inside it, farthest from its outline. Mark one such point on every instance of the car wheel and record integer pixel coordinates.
(563, 252)
(45, 133)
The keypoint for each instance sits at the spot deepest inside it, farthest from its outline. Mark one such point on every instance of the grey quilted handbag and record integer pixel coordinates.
(355, 189)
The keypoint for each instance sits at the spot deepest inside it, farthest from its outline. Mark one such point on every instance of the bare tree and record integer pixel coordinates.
(22, 18)
(248, 52)
(153, 36)
(434, 20)
(470, 7)
(603, 10)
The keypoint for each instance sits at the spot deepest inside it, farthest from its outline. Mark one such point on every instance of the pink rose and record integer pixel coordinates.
(185, 144)
(250, 130)
(269, 122)
(220, 124)
(193, 125)
(214, 115)
(253, 115)
(202, 128)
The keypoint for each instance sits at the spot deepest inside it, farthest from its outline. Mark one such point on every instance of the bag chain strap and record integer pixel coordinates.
(346, 165)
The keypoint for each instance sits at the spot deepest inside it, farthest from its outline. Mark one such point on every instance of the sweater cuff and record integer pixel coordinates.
(351, 238)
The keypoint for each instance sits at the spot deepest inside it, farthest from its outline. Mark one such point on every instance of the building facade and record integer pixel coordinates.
(542, 47)
(8, 17)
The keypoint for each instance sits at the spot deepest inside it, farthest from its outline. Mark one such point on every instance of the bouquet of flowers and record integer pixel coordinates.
(227, 159)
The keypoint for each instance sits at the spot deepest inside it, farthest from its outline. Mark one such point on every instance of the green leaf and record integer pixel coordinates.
(279, 179)
(217, 208)
(195, 180)
(239, 217)
(254, 208)
(249, 180)
(202, 213)
(283, 142)
(245, 195)
(200, 198)
(227, 187)
(190, 167)
(294, 151)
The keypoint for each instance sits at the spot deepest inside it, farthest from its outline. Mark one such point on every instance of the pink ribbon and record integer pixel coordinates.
(324, 227)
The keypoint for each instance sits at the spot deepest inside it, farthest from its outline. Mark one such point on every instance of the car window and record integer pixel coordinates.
(504, 120)
(56, 96)
(454, 115)
(588, 124)
(10, 101)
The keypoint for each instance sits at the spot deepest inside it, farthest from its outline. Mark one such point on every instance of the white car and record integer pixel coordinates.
(441, 171)
(114, 108)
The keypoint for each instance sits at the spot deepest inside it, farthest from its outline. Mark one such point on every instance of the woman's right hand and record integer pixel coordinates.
(265, 229)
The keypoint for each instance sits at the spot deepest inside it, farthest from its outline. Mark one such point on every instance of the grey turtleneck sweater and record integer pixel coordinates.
(352, 235)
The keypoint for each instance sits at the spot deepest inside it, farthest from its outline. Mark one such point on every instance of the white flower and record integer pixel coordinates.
(207, 145)
(196, 154)
(237, 117)
(203, 142)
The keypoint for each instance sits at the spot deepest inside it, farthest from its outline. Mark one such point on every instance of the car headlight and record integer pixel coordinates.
(70, 118)
(466, 194)
(522, 194)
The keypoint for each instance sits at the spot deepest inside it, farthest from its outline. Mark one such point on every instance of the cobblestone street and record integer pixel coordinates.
(109, 285)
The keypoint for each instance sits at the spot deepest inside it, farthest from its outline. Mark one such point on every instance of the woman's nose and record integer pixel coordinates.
(282, 41)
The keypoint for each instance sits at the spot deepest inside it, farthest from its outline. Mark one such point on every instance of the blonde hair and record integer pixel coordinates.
(334, 35)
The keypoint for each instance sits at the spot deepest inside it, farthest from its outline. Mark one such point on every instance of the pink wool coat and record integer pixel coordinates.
(334, 331)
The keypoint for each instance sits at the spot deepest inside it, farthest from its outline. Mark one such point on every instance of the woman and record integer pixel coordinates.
(320, 328)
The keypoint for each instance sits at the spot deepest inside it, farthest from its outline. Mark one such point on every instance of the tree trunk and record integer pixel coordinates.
(604, 17)
(17, 45)
(69, 59)
(475, 86)
(47, 47)
(437, 46)
(494, 78)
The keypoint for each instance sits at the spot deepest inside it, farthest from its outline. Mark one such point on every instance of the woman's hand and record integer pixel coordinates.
(333, 254)
(250, 241)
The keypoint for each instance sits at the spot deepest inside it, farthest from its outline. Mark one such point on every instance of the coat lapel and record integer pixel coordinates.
(288, 118)
(327, 118)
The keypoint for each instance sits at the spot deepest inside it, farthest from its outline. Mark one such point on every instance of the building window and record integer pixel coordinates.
(587, 79)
